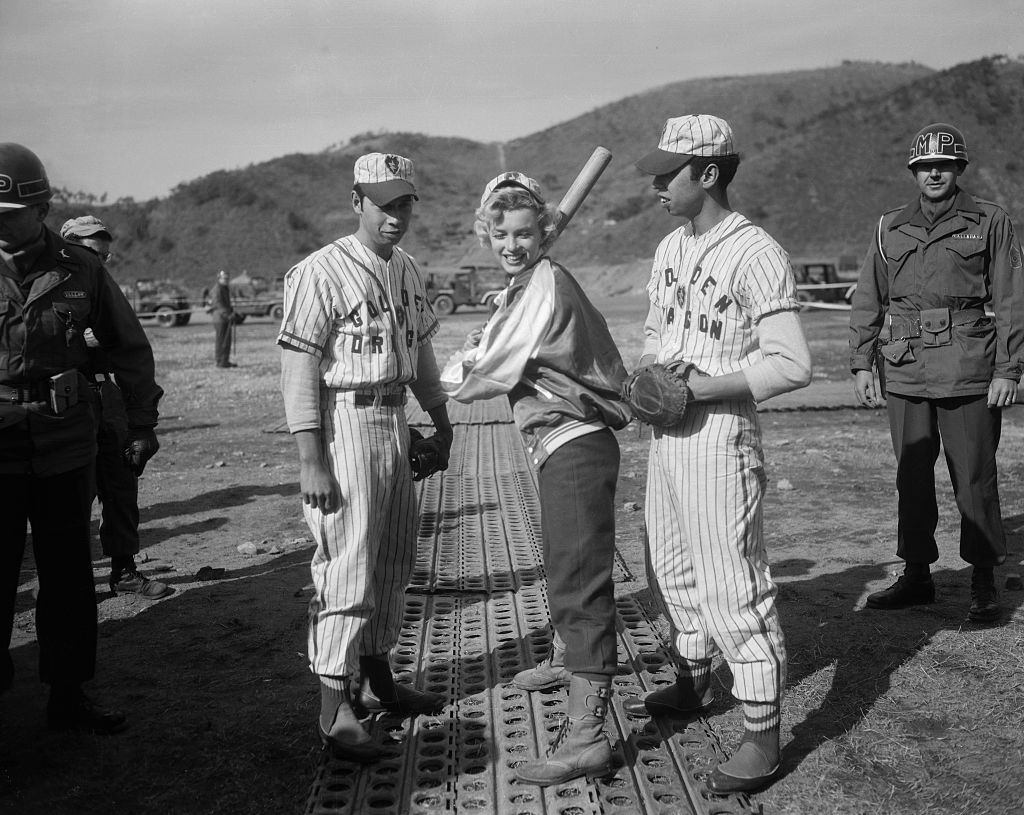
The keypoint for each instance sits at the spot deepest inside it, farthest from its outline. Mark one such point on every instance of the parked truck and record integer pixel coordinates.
(825, 279)
(465, 286)
(159, 299)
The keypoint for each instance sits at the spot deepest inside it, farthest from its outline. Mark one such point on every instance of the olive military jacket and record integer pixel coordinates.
(43, 318)
(920, 304)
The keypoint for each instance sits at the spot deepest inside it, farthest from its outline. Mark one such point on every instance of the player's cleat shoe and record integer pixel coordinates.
(678, 700)
(378, 692)
(71, 709)
(903, 593)
(135, 582)
(347, 739)
(405, 701)
(984, 598)
(747, 771)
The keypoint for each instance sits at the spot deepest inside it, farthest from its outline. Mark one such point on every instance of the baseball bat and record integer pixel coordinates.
(578, 191)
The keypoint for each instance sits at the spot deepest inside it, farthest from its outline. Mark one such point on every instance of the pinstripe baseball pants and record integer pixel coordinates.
(365, 551)
(706, 555)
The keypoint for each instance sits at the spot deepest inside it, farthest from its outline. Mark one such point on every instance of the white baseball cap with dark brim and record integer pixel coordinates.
(685, 138)
(513, 179)
(384, 177)
(87, 226)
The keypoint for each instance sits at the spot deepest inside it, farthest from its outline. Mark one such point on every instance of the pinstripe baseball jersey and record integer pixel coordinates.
(711, 291)
(366, 317)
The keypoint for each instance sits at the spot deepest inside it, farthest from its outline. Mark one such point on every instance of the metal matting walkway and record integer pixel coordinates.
(476, 614)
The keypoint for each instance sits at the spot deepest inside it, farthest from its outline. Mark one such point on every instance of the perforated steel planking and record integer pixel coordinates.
(476, 615)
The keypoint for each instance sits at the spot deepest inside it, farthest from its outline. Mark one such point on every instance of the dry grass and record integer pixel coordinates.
(906, 713)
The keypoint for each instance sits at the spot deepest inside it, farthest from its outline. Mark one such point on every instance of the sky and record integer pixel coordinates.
(132, 97)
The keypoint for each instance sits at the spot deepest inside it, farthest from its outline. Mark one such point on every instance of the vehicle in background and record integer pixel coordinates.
(825, 279)
(465, 286)
(253, 297)
(160, 299)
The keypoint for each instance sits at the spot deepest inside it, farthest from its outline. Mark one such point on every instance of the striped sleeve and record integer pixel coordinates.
(766, 285)
(307, 310)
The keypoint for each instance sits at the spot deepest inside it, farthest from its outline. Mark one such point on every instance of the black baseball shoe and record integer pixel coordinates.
(70, 709)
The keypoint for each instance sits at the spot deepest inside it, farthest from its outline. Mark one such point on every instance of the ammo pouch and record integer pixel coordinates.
(936, 327)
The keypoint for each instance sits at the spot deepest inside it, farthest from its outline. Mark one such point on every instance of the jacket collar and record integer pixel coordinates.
(963, 203)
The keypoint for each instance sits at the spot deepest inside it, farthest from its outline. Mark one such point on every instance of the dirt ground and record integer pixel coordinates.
(909, 712)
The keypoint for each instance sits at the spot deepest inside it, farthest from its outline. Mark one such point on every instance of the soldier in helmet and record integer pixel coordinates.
(51, 291)
(938, 308)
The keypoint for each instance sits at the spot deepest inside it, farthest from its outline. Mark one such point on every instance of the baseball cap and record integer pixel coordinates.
(512, 179)
(383, 177)
(684, 138)
(85, 227)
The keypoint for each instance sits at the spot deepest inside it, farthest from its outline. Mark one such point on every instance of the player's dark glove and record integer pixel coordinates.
(658, 394)
(427, 455)
(141, 446)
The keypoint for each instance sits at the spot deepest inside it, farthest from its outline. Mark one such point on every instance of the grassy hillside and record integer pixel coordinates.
(823, 155)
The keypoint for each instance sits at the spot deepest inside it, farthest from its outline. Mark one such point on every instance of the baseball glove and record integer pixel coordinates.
(427, 455)
(658, 394)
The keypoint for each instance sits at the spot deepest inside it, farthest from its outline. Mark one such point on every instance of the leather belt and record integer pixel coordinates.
(371, 399)
(18, 393)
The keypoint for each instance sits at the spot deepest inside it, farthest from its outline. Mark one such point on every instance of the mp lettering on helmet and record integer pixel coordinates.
(938, 142)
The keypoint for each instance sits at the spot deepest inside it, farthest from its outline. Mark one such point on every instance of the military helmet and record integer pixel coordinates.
(938, 142)
(23, 179)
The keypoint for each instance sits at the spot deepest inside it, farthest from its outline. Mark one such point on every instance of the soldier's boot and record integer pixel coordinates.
(581, 748)
(378, 692)
(340, 730)
(689, 696)
(551, 673)
(913, 588)
(984, 598)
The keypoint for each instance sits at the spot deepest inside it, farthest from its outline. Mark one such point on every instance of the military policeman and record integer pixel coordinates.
(950, 366)
(50, 293)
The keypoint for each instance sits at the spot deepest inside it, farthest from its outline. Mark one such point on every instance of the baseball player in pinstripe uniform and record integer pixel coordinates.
(723, 298)
(356, 332)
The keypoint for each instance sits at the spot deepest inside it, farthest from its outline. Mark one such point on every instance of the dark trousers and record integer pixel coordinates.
(969, 432)
(577, 498)
(222, 340)
(58, 509)
(116, 485)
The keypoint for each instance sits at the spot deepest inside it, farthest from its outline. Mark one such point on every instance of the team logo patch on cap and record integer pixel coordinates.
(391, 162)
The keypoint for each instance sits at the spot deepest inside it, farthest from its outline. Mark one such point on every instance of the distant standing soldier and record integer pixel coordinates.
(223, 320)
(950, 368)
(50, 293)
(116, 485)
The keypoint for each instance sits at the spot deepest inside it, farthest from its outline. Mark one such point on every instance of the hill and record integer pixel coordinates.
(822, 152)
